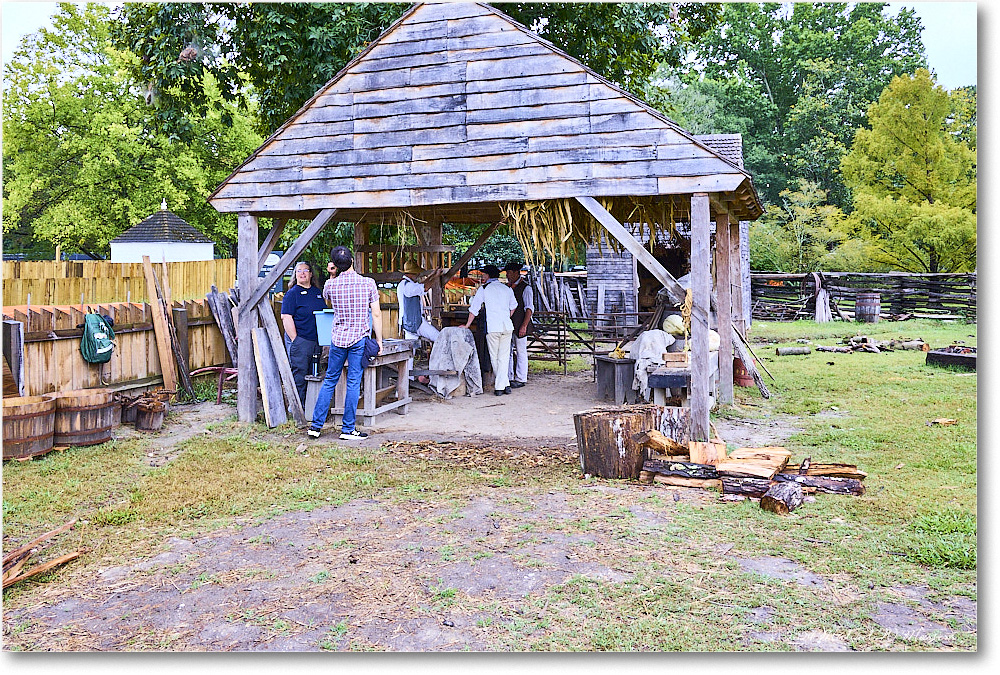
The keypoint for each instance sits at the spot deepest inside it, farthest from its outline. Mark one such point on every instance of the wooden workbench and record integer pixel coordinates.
(666, 382)
(376, 387)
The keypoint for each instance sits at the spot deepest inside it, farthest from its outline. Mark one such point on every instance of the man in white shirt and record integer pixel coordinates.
(522, 324)
(500, 304)
(410, 294)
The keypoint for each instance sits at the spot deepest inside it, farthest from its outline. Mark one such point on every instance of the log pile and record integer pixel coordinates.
(863, 343)
(758, 473)
(13, 562)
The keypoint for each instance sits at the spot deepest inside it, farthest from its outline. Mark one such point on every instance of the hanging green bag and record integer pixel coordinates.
(98, 338)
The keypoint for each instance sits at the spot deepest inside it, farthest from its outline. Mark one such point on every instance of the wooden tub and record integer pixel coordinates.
(28, 424)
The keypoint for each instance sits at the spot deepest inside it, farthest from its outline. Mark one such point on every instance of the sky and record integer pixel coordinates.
(949, 34)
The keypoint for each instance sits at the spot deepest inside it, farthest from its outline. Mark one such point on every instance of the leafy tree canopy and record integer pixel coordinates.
(279, 54)
(82, 158)
(914, 179)
(804, 74)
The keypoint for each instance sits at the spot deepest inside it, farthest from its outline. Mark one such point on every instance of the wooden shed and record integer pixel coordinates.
(454, 111)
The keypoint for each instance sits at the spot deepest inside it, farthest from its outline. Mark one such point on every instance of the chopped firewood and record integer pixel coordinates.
(747, 487)
(753, 466)
(827, 470)
(782, 498)
(707, 453)
(766, 454)
(672, 458)
(804, 466)
(835, 486)
(646, 477)
(678, 481)
(680, 469)
(839, 350)
(655, 440)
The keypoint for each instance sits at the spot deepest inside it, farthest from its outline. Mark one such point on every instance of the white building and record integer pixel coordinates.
(163, 236)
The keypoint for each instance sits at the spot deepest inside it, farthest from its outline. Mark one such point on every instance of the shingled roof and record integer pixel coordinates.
(162, 226)
(729, 146)
(457, 107)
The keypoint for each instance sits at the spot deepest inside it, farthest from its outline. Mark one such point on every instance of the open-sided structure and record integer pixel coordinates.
(455, 111)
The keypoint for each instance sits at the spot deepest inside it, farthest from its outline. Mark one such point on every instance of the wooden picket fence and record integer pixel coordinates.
(53, 282)
(51, 353)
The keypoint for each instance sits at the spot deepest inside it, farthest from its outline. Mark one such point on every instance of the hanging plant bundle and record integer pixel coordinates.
(556, 228)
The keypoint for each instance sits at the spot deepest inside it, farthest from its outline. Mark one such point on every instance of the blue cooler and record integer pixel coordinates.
(324, 326)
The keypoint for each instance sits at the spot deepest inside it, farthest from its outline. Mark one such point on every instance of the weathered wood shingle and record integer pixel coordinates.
(459, 104)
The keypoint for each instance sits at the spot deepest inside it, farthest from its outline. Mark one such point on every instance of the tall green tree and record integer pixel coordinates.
(809, 70)
(805, 234)
(279, 54)
(914, 181)
(83, 160)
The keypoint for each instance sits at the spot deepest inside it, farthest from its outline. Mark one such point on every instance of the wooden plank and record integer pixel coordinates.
(724, 302)
(246, 321)
(701, 282)
(13, 353)
(270, 387)
(294, 405)
(160, 330)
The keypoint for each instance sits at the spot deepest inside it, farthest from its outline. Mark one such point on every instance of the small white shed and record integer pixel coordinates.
(163, 236)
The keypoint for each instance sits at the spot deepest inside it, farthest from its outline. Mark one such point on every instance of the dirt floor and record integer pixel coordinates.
(380, 575)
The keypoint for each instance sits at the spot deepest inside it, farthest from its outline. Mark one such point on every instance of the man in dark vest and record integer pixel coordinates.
(518, 368)
(410, 294)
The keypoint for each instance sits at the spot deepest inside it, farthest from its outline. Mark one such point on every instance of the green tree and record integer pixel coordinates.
(804, 234)
(279, 54)
(809, 71)
(914, 182)
(82, 159)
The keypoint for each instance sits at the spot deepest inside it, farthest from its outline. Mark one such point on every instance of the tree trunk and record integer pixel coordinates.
(605, 440)
(792, 351)
(782, 498)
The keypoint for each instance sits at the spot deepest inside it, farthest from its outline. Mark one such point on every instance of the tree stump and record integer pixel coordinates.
(782, 498)
(604, 437)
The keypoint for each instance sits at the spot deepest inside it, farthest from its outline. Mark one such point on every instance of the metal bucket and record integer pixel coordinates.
(867, 307)
(84, 416)
(28, 423)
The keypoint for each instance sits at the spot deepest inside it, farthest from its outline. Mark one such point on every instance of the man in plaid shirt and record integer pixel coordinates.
(356, 312)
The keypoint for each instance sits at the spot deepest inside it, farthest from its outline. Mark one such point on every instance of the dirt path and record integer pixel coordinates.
(430, 574)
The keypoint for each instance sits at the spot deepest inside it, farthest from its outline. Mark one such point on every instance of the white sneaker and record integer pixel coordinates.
(313, 433)
(352, 435)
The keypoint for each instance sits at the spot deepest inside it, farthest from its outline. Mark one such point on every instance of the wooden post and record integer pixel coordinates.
(360, 239)
(246, 275)
(723, 289)
(432, 236)
(701, 283)
(736, 277)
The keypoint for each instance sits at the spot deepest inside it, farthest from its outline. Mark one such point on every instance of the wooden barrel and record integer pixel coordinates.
(84, 416)
(28, 423)
(149, 415)
(867, 307)
(741, 376)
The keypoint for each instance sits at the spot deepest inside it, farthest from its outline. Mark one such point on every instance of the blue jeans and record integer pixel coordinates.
(355, 369)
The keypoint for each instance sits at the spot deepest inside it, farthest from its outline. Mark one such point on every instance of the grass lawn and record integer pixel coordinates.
(915, 526)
